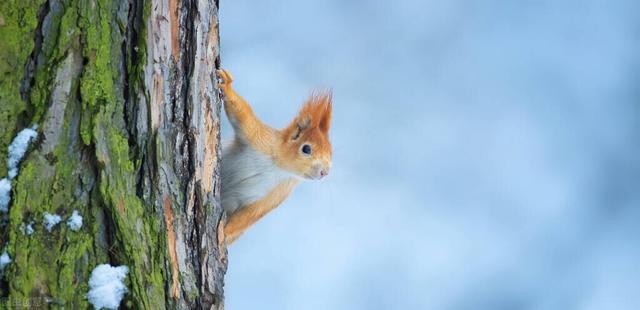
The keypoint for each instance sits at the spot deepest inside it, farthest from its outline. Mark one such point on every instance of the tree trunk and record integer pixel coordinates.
(127, 106)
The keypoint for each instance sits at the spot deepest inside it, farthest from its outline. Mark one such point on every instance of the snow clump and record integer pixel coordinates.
(106, 286)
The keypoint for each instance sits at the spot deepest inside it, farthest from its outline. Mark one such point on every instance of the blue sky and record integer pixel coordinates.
(486, 154)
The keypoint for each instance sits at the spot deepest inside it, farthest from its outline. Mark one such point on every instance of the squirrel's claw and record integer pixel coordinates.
(225, 76)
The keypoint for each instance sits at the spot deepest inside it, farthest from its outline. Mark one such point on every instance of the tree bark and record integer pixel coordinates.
(127, 106)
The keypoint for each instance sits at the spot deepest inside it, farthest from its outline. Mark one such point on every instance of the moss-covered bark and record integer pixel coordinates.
(18, 22)
(79, 69)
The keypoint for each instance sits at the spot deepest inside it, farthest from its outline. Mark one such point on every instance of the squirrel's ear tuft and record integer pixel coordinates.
(318, 109)
(315, 113)
(325, 120)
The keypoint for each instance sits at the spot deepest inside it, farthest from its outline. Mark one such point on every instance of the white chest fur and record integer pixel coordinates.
(247, 176)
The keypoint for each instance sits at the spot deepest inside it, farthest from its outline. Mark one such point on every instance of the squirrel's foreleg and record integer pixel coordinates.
(245, 216)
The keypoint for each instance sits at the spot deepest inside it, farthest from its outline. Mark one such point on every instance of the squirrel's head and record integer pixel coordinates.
(307, 151)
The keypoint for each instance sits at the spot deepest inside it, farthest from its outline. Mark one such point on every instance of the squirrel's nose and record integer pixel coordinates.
(324, 172)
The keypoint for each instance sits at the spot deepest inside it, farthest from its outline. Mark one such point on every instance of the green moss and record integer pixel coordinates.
(97, 82)
(102, 96)
(136, 233)
(58, 263)
(47, 262)
(18, 21)
(136, 70)
(46, 65)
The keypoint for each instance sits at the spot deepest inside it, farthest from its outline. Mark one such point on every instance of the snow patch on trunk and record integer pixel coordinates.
(18, 148)
(5, 194)
(51, 220)
(27, 229)
(75, 221)
(106, 286)
(4, 260)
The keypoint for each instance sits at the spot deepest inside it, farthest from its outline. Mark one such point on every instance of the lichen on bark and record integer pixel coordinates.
(18, 22)
(79, 69)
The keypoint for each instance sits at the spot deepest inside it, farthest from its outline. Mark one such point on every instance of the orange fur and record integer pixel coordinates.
(283, 148)
(314, 117)
(240, 220)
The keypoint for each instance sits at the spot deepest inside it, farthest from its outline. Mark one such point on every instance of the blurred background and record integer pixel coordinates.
(486, 154)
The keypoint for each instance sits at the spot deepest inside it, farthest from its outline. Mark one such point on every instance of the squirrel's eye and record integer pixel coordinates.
(306, 149)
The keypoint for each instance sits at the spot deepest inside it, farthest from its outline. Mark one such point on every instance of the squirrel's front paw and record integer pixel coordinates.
(225, 76)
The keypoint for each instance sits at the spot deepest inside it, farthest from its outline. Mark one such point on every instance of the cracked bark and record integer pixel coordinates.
(128, 109)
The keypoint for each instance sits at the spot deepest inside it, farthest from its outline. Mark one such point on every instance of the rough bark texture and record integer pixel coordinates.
(127, 104)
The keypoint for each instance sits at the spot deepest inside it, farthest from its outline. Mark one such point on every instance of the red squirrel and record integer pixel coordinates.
(261, 165)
